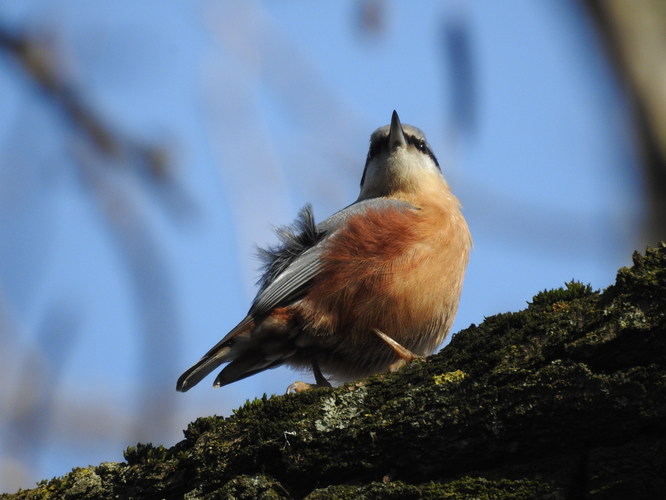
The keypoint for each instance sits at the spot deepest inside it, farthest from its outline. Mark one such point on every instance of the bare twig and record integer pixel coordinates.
(151, 162)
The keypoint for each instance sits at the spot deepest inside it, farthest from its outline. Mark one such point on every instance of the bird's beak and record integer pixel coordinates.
(396, 135)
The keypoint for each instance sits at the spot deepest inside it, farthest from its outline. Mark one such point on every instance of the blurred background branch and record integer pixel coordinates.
(108, 160)
(635, 39)
(42, 66)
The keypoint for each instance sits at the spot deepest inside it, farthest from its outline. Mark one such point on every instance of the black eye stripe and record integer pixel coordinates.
(383, 143)
(422, 146)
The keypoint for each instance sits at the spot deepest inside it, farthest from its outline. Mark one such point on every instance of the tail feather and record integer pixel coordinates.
(243, 367)
(201, 369)
(213, 358)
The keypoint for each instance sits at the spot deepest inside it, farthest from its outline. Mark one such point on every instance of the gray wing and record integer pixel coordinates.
(294, 277)
(290, 270)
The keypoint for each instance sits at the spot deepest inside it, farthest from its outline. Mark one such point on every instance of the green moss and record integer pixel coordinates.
(146, 454)
(82, 482)
(573, 290)
(467, 488)
(246, 487)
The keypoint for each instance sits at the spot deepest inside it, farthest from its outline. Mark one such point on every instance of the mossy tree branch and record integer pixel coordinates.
(565, 399)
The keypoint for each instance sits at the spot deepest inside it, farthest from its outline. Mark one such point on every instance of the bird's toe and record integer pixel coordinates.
(304, 386)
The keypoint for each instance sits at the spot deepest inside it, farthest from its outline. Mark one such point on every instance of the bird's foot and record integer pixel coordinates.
(405, 356)
(304, 386)
(397, 365)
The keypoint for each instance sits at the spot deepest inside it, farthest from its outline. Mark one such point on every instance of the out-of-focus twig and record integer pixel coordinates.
(30, 412)
(635, 37)
(459, 59)
(370, 17)
(40, 64)
(153, 295)
(104, 157)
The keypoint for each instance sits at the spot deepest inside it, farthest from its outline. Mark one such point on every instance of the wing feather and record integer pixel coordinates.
(291, 267)
(289, 271)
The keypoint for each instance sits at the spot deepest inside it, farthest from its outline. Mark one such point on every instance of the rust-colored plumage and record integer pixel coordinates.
(374, 285)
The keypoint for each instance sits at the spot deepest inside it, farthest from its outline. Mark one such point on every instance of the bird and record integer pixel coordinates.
(368, 290)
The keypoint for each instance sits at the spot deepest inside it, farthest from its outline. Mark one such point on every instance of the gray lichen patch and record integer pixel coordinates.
(339, 409)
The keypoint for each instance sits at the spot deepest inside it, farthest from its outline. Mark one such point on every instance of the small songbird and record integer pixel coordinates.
(372, 287)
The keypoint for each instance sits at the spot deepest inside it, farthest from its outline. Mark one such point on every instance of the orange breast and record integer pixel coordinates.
(396, 270)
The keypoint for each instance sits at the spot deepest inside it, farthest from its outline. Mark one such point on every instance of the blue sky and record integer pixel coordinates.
(262, 108)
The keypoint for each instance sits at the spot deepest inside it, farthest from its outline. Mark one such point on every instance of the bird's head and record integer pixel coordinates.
(399, 161)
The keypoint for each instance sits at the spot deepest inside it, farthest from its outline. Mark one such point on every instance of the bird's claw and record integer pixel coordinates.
(303, 386)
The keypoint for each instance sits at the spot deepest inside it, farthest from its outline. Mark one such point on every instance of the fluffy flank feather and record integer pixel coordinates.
(294, 240)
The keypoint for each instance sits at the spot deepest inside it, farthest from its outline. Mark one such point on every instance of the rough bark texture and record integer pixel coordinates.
(565, 399)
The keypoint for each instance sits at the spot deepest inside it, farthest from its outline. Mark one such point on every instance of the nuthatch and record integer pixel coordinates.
(372, 287)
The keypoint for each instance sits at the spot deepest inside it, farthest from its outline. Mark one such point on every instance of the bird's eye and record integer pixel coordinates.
(419, 144)
(422, 146)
